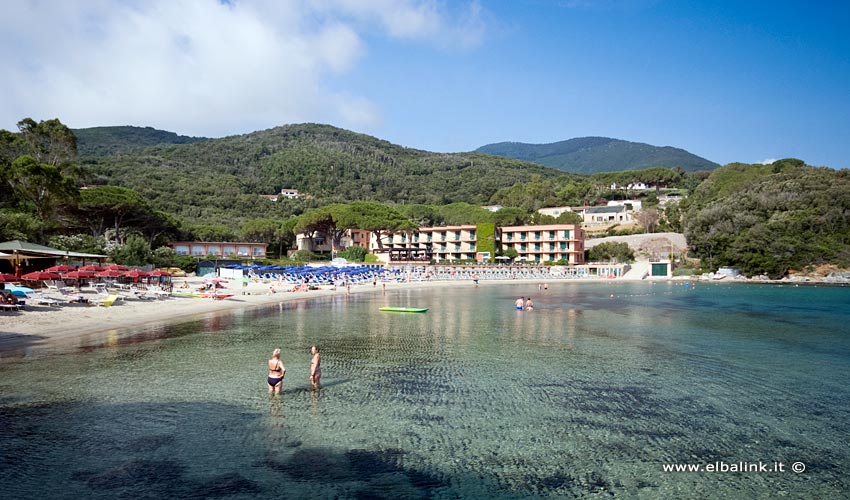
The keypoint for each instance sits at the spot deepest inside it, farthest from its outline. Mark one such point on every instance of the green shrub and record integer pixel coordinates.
(370, 257)
(353, 254)
(304, 256)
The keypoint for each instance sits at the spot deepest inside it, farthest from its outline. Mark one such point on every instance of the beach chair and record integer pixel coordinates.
(158, 291)
(41, 299)
(71, 297)
(107, 302)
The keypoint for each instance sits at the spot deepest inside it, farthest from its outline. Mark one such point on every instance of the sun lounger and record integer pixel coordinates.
(107, 302)
(41, 299)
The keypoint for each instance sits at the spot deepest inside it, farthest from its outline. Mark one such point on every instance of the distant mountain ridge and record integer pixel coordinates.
(590, 155)
(108, 141)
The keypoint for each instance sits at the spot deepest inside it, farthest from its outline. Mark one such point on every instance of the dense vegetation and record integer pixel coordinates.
(221, 179)
(769, 219)
(590, 155)
(107, 141)
(127, 199)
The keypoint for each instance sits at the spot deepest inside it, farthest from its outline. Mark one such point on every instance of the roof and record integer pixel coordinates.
(25, 247)
(605, 210)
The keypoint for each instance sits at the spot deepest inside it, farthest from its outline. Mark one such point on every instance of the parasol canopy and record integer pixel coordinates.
(40, 276)
(109, 273)
(78, 274)
(59, 269)
(7, 278)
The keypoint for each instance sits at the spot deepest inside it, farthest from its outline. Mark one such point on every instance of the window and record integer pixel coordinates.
(181, 249)
(509, 237)
(537, 246)
(551, 235)
(472, 235)
(229, 250)
(536, 235)
(258, 252)
(199, 250)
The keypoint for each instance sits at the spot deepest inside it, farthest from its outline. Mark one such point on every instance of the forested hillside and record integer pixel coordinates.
(217, 178)
(127, 199)
(107, 141)
(589, 155)
(769, 219)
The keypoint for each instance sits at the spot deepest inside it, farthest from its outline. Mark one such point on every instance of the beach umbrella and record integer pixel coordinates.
(40, 276)
(135, 273)
(116, 267)
(59, 269)
(90, 268)
(109, 273)
(6, 278)
(78, 274)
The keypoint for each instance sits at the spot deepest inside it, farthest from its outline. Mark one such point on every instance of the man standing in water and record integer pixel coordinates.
(276, 372)
(315, 367)
(519, 303)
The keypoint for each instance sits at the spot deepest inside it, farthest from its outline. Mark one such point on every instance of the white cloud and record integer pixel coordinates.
(767, 161)
(204, 67)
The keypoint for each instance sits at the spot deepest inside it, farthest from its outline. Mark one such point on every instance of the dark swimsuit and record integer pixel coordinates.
(273, 381)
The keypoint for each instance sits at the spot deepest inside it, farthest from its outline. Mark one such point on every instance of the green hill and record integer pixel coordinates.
(590, 155)
(107, 141)
(219, 180)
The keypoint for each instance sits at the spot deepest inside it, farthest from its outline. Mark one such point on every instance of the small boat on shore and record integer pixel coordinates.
(404, 309)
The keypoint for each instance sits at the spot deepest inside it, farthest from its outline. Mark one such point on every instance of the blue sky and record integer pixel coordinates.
(730, 81)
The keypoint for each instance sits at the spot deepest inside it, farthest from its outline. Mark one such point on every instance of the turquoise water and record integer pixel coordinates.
(587, 396)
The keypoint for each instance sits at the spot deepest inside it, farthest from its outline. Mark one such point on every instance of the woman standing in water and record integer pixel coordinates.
(276, 372)
(315, 367)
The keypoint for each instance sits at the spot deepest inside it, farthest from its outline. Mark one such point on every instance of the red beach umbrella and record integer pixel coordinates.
(40, 276)
(78, 274)
(59, 269)
(135, 273)
(109, 273)
(7, 278)
(90, 268)
(116, 267)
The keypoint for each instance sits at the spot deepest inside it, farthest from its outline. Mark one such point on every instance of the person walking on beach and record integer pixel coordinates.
(518, 304)
(276, 372)
(315, 367)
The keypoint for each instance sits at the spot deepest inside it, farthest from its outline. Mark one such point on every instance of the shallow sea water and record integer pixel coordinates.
(587, 396)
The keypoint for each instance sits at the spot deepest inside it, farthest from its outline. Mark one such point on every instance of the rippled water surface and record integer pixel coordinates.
(589, 395)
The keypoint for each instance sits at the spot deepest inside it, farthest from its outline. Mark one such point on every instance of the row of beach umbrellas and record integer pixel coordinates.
(66, 272)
